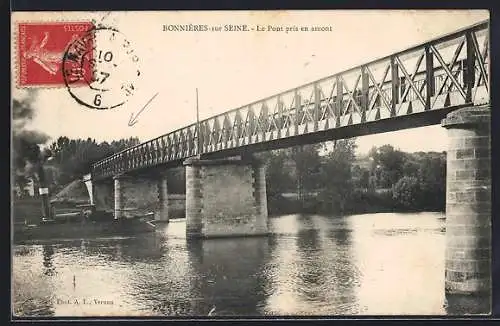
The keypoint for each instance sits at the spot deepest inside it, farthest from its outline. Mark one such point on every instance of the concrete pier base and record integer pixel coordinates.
(87, 180)
(118, 195)
(163, 213)
(225, 198)
(140, 195)
(468, 202)
(103, 195)
(127, 195)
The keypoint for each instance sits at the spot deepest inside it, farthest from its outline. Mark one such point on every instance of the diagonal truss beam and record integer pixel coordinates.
(447, 70)
(410, 81)
(413, 76)
(350, 94)
(379, 92)
(480, 59)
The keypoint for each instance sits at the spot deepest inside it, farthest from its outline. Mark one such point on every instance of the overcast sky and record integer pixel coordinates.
(232, 69)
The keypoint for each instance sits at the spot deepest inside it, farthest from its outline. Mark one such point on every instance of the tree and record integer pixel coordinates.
(432, 178)
(74, 157)
(407, 192)
(387, 165)
(307, 166)
(278, 179)
(361, 177)
(410, 166)
(336, 176)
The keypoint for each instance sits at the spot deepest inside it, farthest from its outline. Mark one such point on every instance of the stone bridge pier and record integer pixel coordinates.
(126, 195)
(141, 194)
(225, 198)
(468, 202)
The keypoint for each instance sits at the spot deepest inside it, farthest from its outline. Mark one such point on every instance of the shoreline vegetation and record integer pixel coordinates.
(329, 178)
(325, 178)
(364, 202)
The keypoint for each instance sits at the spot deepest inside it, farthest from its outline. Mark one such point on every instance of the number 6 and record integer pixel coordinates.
(97, 99)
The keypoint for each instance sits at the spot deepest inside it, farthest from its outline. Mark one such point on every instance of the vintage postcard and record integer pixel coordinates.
(207, 164)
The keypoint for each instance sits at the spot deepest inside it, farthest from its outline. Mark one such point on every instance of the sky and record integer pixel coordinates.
(232, 69)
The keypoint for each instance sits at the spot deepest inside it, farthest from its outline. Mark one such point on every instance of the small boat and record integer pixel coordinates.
(72, 215)
(84, 223)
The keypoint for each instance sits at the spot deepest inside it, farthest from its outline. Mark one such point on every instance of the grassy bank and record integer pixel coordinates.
(26, 209)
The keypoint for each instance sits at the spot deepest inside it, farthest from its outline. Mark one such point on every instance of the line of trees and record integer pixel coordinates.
(320, 175)
(329, 178)
(72, 158)
(69, 159)
(325, 177)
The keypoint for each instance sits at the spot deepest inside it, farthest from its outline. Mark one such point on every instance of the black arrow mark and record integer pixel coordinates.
(133, 119)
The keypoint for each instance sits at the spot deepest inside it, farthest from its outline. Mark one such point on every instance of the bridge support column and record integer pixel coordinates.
(102, 195)
(118, 211)
(468, 202)
(140, 195)
(225, 198)
(87, 179)
(163, 214)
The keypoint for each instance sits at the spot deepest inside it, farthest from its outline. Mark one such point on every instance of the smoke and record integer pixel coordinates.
(25, 142)
(22, 108)
(33, 136)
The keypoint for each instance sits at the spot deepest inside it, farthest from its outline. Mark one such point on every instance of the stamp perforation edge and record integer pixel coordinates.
(15, 54)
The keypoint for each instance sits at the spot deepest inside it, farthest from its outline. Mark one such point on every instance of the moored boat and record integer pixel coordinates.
(82, 225)
(70, 214)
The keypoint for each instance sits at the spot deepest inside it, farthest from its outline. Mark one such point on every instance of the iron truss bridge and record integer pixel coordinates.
(411, 88)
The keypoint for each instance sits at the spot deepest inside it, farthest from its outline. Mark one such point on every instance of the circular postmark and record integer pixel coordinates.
(100, 68)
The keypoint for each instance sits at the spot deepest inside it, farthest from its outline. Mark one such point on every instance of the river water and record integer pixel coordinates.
(310, 265)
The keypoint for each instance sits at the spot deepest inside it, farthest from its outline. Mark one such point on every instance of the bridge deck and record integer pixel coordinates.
(411, 88)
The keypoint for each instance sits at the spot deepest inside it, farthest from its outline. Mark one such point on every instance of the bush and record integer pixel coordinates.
(407, 192)
(363, 201)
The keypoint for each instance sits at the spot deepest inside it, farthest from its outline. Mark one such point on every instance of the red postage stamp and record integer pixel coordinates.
(41, 50)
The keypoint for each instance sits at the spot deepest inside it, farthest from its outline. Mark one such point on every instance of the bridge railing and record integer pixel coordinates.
(449, 71)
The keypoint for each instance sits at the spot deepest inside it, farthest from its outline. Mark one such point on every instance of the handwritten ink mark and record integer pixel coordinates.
(133, 119)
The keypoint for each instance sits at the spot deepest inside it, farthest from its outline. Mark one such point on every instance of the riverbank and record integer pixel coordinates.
(359, 202)
(26, 210)
(29, 210)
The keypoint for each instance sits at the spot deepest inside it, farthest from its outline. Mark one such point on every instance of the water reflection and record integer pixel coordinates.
(309, 249)
(161, 284)
(228, 279)
(346, 273)
(309, 265)
(48, 253)
(457, 305)
(399, 268)
(32, 286)
(122, 250)
(311, 276)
